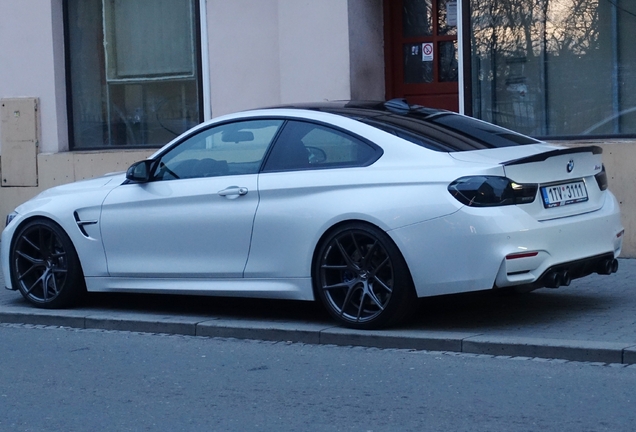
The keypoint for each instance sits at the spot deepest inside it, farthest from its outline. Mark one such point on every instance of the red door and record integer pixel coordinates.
(421, 52)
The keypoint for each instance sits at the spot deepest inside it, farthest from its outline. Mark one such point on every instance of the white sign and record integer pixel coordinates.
(427, 52)
(451, 13)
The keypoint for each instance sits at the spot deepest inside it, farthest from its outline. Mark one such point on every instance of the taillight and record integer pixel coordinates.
(490, 191)
(601, 179)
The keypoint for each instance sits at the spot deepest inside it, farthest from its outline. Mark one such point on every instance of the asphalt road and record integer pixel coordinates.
(55, 379)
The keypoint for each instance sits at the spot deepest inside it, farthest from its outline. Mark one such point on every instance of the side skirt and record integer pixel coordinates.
(290, 289)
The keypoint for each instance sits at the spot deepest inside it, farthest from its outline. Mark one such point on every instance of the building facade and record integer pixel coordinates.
(91, 86)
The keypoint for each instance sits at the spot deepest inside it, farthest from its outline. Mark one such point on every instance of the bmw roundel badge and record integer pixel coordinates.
(570, 166)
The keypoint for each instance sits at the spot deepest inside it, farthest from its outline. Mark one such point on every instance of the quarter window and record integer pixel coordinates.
(304, 145)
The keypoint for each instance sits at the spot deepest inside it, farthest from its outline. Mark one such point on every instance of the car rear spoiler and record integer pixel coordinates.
(544, 156)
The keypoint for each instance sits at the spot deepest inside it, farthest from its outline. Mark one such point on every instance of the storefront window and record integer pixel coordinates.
(133, 71)
(555, 67)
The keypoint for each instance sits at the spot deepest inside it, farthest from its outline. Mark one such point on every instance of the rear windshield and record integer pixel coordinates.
(434, 129)
(488, 133)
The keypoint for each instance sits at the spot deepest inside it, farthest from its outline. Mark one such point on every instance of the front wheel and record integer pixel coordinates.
(362, 278)
(44, 265)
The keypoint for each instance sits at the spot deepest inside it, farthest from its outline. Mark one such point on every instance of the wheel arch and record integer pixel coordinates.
(36, 217)
(344, 286)
(333, 228)
(52, 263)
(32, 218)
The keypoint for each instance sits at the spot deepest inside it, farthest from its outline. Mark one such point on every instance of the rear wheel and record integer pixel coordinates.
(362, 278)
(44, 265)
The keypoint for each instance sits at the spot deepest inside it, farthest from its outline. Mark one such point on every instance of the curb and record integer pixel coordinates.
(326, 334)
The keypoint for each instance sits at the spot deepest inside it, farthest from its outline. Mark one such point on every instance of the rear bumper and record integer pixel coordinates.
(559, 274)
(467, 251)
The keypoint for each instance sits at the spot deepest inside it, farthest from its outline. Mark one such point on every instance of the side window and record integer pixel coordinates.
(228, 149)
(303, 145)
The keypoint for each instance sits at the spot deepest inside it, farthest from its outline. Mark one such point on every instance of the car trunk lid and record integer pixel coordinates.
(565, 175)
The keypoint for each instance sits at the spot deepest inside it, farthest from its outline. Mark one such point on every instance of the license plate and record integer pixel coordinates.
(564, 194)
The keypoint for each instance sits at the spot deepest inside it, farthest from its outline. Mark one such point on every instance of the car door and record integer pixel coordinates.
(312, 174)
(194, 217)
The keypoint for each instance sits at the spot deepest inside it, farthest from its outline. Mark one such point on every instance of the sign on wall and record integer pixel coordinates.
(427, 52)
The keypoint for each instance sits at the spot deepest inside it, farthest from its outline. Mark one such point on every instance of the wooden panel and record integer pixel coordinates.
(19, 141)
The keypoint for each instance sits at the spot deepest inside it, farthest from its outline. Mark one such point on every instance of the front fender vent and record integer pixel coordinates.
(81, 224)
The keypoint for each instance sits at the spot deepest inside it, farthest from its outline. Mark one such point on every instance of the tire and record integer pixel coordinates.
(45, 267)
(362, 279)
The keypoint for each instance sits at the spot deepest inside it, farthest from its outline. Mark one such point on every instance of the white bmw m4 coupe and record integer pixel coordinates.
(364, 206)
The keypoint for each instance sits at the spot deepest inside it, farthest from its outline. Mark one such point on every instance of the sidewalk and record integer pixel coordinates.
(594, 320)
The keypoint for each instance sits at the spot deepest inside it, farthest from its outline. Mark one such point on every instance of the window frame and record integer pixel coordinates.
(202, 85)
(377, 150)
(204, 131)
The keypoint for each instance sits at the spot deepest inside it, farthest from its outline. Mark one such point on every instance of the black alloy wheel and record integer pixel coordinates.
(362, 278)
(44, 265)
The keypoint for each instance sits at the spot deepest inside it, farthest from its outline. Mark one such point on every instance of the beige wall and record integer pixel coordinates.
(314, 50)
(366, 49)
(272, 52)
(65, 167)
(620, 159)
(243, 54)
(32, 63)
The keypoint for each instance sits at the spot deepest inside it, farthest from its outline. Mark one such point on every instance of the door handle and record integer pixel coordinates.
(233, 192)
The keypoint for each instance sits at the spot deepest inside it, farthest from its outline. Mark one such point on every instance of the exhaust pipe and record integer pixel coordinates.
(566, 279)
(562, 277)
(553, 280)
(607, 266)
(556, 279)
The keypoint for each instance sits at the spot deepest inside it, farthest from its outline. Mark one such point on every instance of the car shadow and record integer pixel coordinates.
(491, 309)
(208, 306)
(473, 312)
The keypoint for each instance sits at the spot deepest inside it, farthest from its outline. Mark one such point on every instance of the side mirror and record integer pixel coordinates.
(139, 172)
